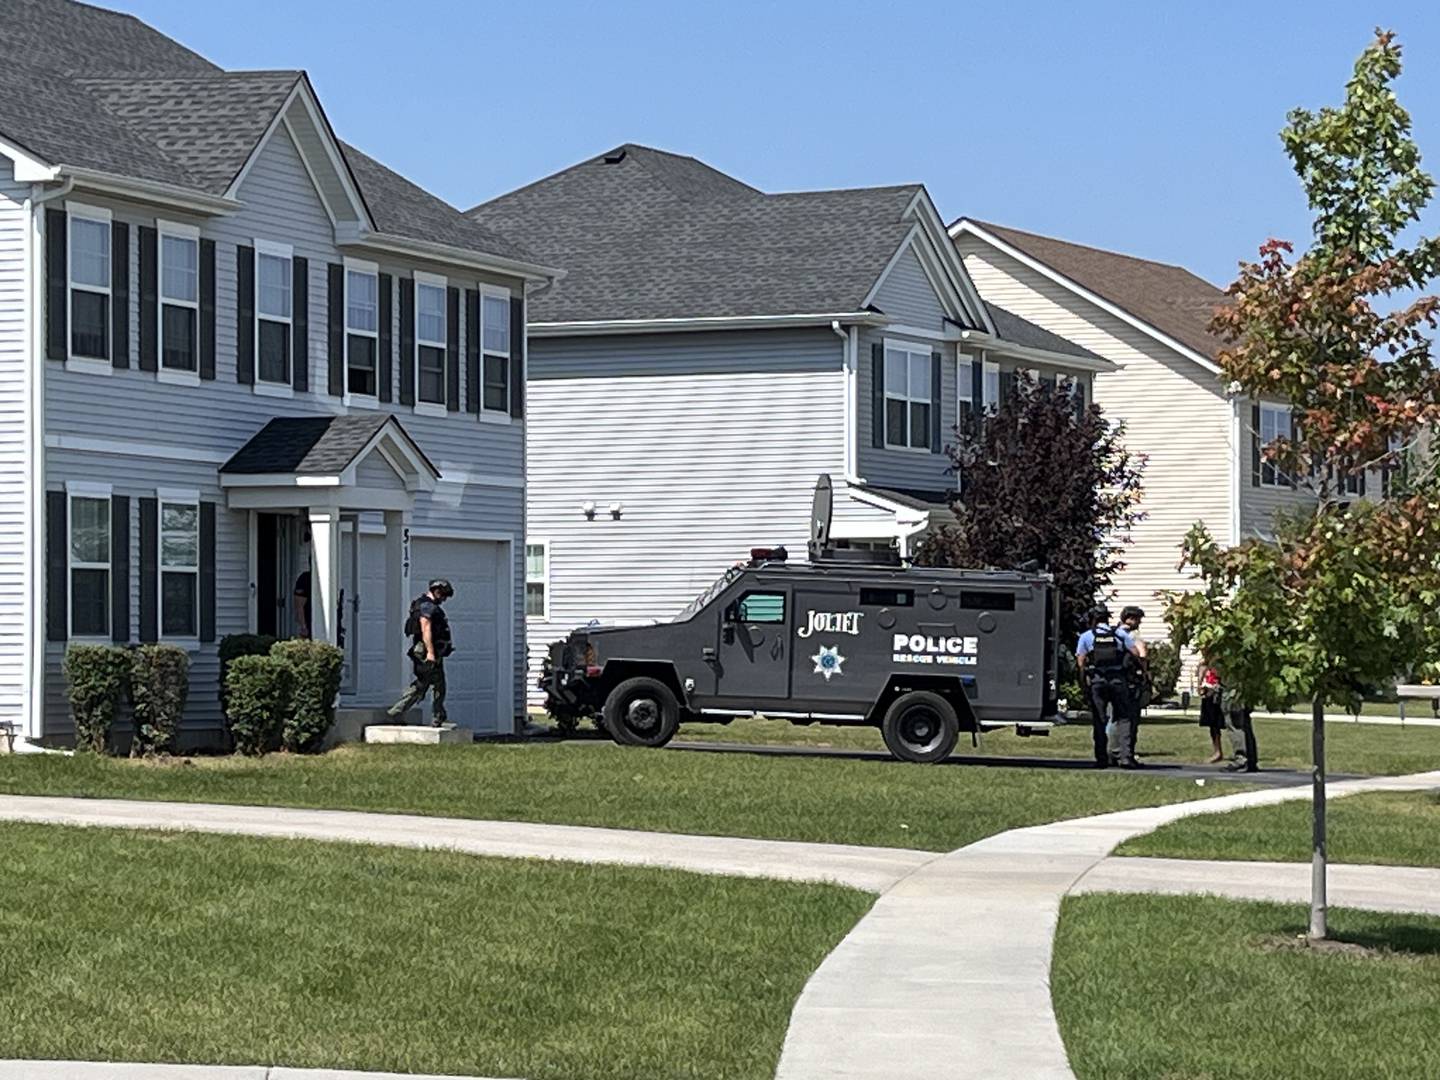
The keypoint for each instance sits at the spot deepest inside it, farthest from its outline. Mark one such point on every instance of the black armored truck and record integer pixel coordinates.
(849, 637)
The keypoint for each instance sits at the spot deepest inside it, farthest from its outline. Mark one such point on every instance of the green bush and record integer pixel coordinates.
(257, 690)
(314, 686)
(95, 679)
(1164, 669)
(234, 646)
(1068, 683)
(159, 685)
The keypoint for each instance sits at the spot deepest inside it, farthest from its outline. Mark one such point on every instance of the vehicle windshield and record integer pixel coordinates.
(709, 594)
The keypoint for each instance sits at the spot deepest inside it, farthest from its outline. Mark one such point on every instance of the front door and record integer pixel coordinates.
(279, 562)
(348, 601)
(754, 647)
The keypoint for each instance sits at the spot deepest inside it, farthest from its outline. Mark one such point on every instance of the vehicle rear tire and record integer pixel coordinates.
(642, 712)
(920, 726)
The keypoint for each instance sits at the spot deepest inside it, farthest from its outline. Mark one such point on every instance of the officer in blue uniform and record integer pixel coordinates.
(1107, 655)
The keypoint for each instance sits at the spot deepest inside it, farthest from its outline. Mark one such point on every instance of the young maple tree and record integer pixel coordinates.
(1345, 596)
(1044, 482)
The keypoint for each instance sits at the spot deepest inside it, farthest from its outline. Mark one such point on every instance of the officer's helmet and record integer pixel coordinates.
(1100, 615)
(442, 589)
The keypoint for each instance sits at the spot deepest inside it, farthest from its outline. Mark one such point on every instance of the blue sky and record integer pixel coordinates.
(1143, 127)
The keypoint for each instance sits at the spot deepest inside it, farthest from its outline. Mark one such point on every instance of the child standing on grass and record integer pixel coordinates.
(1210, 715)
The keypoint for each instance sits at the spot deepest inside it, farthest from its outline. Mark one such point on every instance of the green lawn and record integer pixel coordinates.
(1383, 828)
(883, 803)
(1178, 739)
(1197, 988)
(232, 950)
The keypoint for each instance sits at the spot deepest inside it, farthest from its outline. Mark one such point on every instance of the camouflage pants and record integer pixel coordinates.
(429, 677)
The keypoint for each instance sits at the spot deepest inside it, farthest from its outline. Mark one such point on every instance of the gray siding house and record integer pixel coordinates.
(235, 350)
(712, 349)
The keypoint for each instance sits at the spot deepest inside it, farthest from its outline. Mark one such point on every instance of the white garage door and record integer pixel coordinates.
(479, 676)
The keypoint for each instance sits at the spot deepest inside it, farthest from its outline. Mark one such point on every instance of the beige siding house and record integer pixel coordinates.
(1151, 319)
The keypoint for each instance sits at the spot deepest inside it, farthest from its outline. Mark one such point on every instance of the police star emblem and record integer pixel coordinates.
(828, 661)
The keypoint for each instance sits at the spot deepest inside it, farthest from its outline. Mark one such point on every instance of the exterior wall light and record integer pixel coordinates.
(588, 509)
(616, 509)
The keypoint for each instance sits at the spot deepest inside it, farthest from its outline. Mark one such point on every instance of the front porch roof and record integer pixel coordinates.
(293, 460)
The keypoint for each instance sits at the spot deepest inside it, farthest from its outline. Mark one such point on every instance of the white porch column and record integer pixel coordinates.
(325, 576)
(397, 597)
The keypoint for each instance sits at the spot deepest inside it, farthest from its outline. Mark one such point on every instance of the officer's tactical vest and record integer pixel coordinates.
(1108, 654)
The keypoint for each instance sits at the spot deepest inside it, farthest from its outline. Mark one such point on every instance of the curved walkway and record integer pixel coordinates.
(955, 952)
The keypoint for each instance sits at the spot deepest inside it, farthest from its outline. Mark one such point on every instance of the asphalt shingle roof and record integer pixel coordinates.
(311, 445)
(97, 89)
(1170, 298)
(1013, 328)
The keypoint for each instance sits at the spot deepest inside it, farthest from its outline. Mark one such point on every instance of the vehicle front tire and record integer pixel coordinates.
(642, 712)
(920, 726)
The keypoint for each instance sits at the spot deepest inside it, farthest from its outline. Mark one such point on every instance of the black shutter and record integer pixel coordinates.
(57, 587)
(452, 349)
(977, 383)
(1286, 478)
(335, 298)
(57, 285)
(385, 366)
(1255, 445)
(207, 309)
(149, 300)
(149, 570)
(244, 314)
(877, 396)
(1361, 492)
(936, 403)
(207, 571)
(407, 341)
(300, 324)
(120, 568)
(119, 294)
(517, 356)
(472, 351)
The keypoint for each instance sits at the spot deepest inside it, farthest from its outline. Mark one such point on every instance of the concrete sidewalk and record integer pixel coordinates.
(871, 869)
(1375, 888)
(949, 973)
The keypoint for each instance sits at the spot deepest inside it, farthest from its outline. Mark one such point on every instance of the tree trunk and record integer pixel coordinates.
(1318, 901)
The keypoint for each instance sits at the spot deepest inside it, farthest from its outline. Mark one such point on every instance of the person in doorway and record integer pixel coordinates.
(302, 605)
(430, 644)
(1141, 691)
(1105, 655)
(1210, 714)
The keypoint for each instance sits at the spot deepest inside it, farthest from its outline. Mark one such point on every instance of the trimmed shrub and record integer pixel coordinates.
(159, 685)
(95, 680)
(1164, 669)
(234, 646)
(257, 690)
(314, 686)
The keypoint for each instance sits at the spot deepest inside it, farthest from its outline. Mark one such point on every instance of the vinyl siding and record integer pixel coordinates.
(1174, 414)
(711, 442)
(482, 463)
(907, 296)
(14, 460)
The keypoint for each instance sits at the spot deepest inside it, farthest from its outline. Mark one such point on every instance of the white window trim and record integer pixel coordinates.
(362, 266)
(102, 492)
(262, 386)
(909, 348)
(175, 497)
(488, 415)
(435, 281)
(543, 580)
(988, 407)
(175, 376)
(1277, 474)
(88, 365)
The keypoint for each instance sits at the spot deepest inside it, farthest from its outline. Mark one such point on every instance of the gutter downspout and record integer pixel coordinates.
(850, 338)
(1237, 488)
(34, 661)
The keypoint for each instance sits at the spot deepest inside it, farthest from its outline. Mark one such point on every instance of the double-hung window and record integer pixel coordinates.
(179, 564)
(89, 551)
(362, 329)
(965, 388)
(990, 388)
(1274, 425)
(495, 353)
(537, 579)
(907, 396)
(274, 311)
(429, 339)
(89, 283)
(179, 298)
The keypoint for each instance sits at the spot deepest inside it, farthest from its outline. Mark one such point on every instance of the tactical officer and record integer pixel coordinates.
(430, 644)
(1141, 691)
(1106, 654)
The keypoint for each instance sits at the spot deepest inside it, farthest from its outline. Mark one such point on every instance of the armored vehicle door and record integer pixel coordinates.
(753, 650)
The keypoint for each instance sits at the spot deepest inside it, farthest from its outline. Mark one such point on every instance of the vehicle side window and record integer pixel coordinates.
(762, 608)
(887, 598)
(993, 601)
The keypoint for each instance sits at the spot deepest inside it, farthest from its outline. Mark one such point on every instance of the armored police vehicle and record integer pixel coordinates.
(850, 637)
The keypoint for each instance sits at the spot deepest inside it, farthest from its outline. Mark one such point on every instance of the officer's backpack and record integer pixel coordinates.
(1107, 654)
